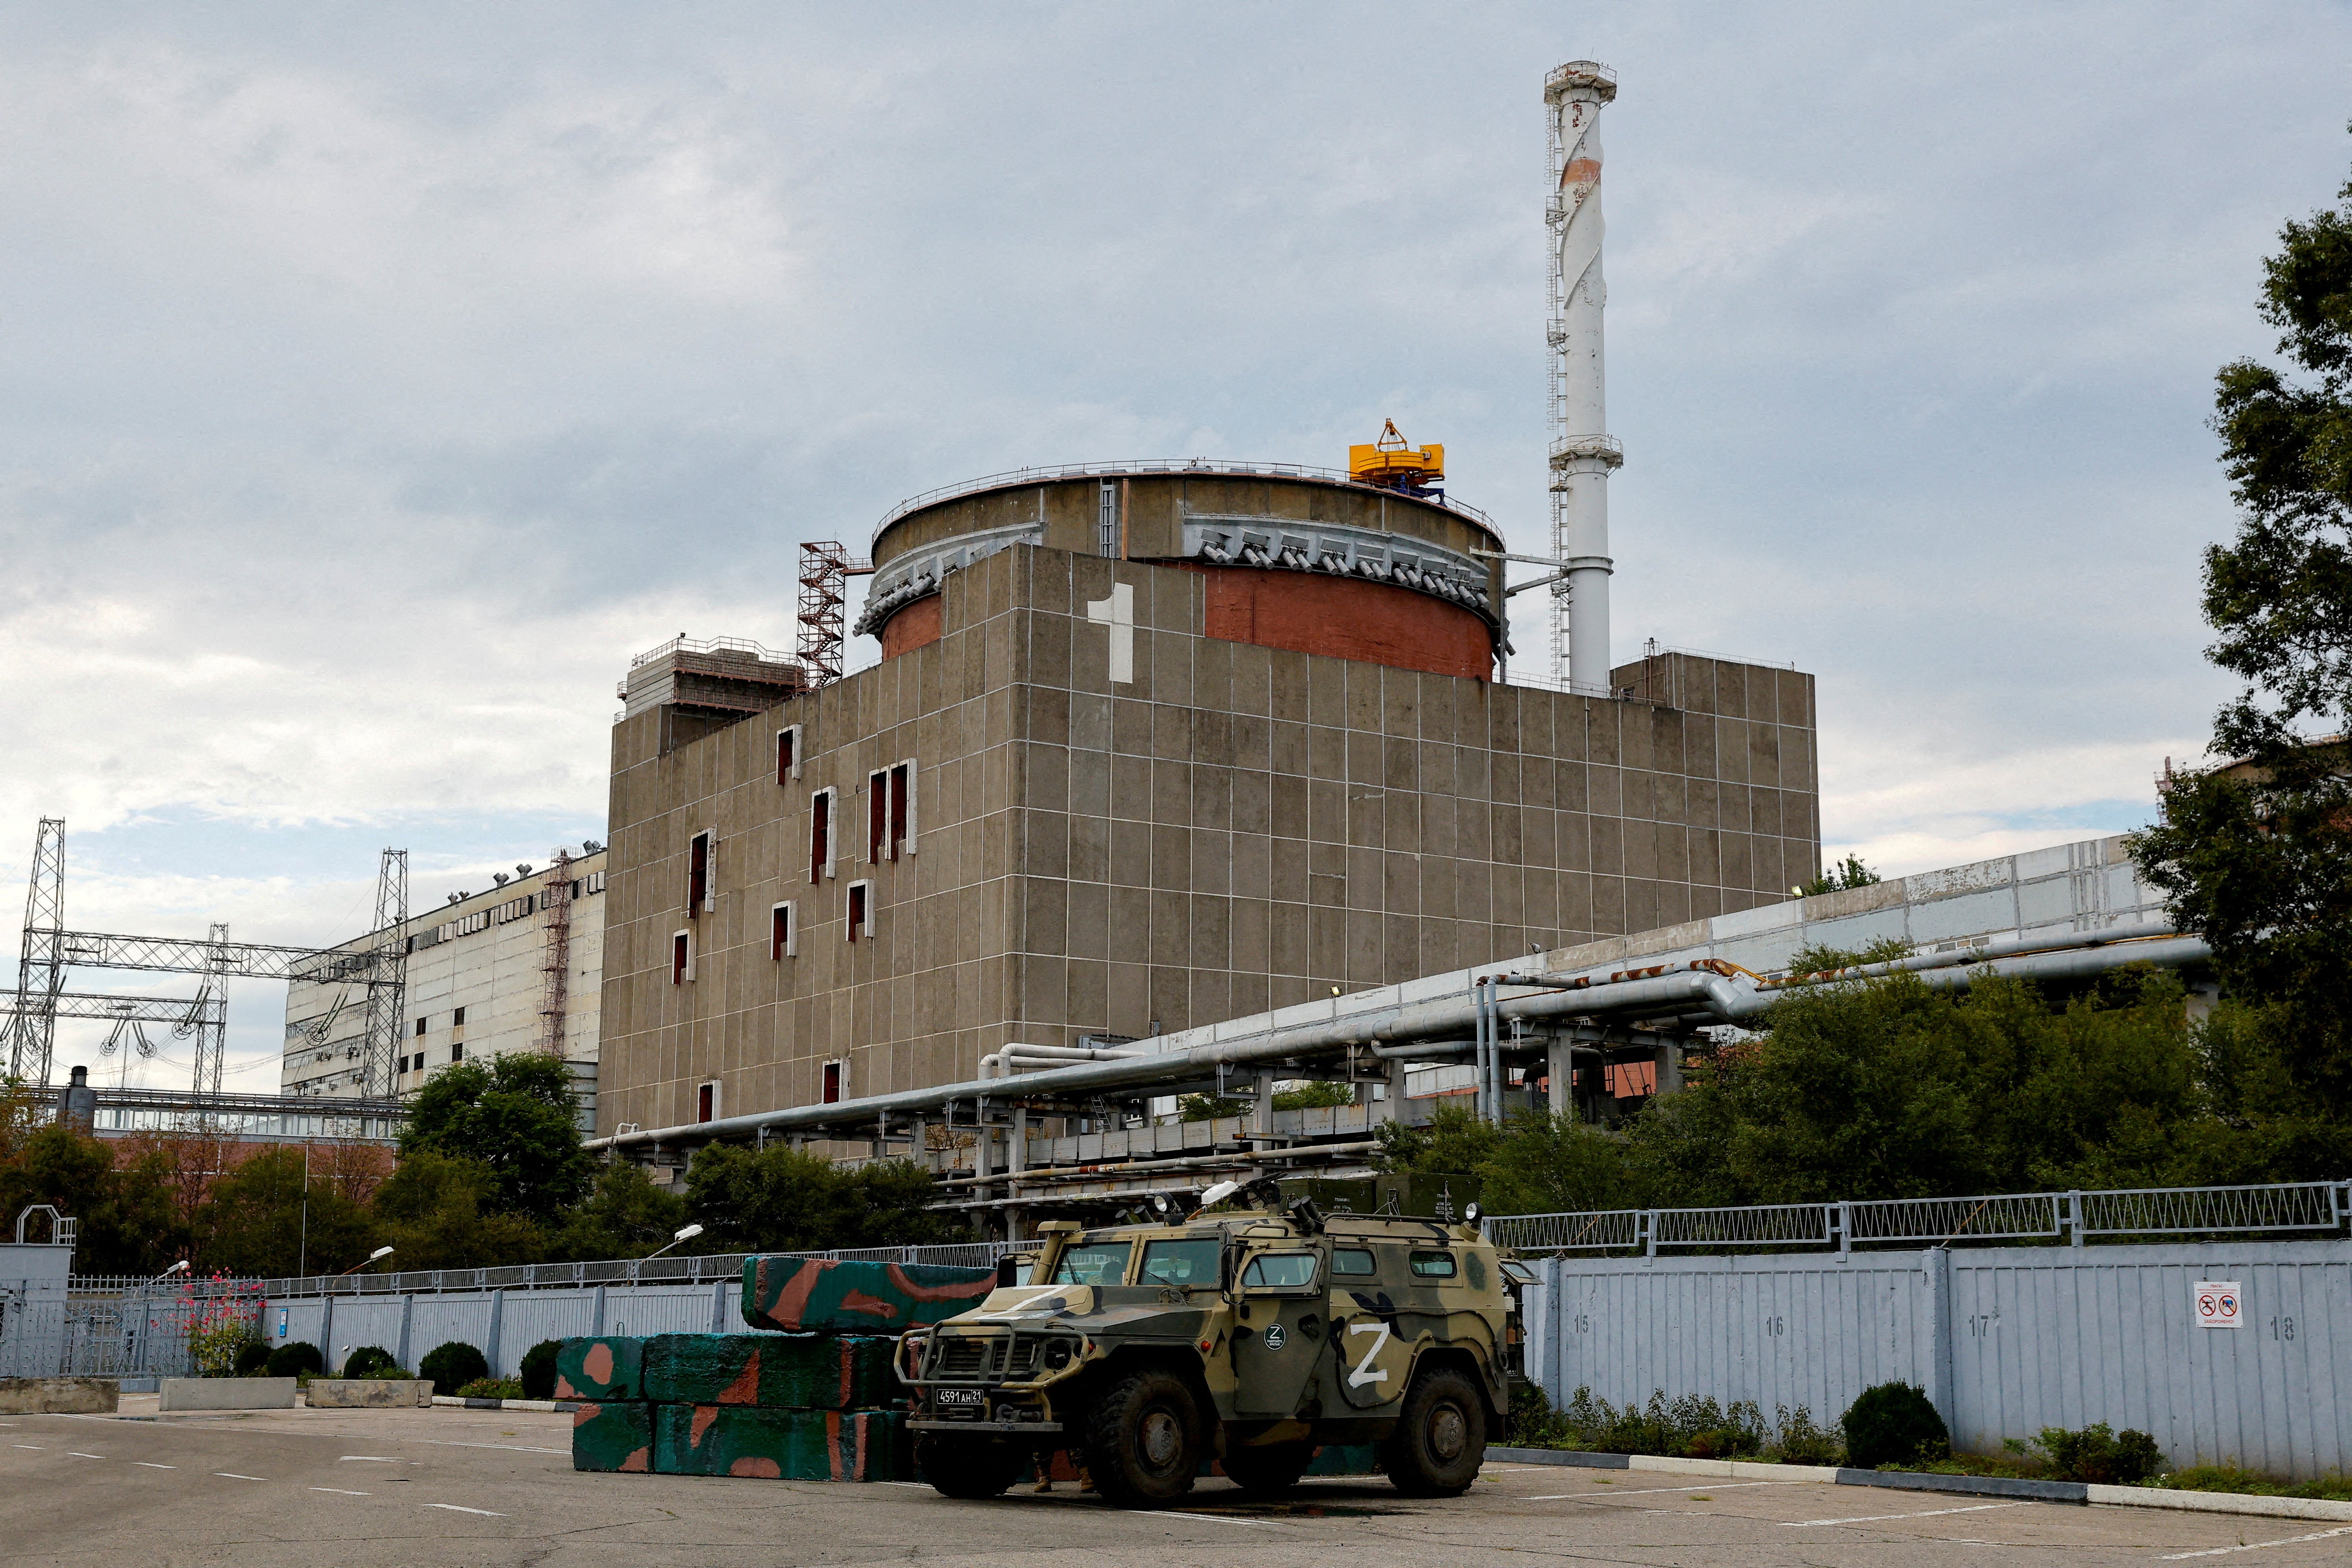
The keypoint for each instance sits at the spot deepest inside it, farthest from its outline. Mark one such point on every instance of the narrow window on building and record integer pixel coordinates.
(890, 812)
(706, 1102)
(861, 909)
(832, 1082)
(403, 1067)
(788, 753)
(420, 1028)
(698, 895)
(457, 1019)
(456, 1054)
(1107, 520)
(681, 957)
(820, 835)
(784, 935)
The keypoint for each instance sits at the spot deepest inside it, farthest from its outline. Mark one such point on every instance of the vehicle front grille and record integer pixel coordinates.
(967, 1356)
(1024, 1363)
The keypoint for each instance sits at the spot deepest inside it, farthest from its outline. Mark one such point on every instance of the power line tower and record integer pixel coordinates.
(555, 990)
(827, 567)
(40, 964)
(387, 982)
(207, 1023)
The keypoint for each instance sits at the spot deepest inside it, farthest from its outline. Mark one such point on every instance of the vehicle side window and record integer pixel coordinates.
(1279, 1271)
(1186, 1263)
(1432, 1265)
(1352, 1260)
(1094, 1263)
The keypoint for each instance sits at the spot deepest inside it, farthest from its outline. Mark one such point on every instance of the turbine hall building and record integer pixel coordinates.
(1148, 747)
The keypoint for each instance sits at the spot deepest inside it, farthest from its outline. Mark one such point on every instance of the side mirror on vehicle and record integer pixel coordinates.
(1009, 1267)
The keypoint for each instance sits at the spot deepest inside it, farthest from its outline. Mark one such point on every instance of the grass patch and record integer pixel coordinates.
(2253, 1483)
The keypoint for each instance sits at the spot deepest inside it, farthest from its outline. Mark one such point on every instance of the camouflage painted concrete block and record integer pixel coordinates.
(1344, 1460)
(787, 1445)
(607, 1367)
(797, 1294)
(616, 1435)
(800, 1372)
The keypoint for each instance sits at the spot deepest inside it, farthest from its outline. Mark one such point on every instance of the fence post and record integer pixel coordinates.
(2074, 1219)
(1942, 1392)
(498, 1314)
(1649, 1223)
(407, 1314)
(596, 1319)
(1845, 1223)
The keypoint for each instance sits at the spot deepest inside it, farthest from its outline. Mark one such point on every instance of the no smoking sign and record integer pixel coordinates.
(2220, 1304)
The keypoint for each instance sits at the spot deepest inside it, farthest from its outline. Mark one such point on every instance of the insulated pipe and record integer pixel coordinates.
(1582, 452)
(1425, 1050)
(1728, 1001)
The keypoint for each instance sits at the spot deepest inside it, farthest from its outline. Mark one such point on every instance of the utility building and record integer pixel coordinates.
(1151, 747)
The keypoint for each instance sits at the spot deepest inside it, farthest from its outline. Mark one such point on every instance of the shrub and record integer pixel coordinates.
(295, 1359)
(251, 1357)
(2099, 1455)
(453, 1365)
(371, 1360)
(539, 1369)
(1800, 1442)
(491, 1388)
(1893, 1423)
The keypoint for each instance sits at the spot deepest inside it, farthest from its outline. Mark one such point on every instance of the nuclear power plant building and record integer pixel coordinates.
(1148, 747)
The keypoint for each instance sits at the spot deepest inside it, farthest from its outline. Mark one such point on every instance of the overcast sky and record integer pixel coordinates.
(377, 380)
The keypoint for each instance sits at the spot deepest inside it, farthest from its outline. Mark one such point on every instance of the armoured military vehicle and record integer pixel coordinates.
(1253, 1334)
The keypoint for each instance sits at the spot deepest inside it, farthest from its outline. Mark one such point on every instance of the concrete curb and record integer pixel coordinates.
(1926, 1481)
(2221, 1502)
(551, 1406)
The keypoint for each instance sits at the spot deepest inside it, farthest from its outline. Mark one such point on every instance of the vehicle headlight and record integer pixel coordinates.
(1057, 1354)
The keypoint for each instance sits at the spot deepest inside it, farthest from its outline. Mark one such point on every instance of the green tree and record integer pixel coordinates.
(1847, 873)
(2256, 852)
(440, 1211)
(780, 1199)
(624, 1215)
(126, 1221)
(255, 1222)
(515, 1115)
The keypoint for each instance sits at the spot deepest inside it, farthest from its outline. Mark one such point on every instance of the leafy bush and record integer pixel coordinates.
(1893, 1423)
(295, 1359)
(251, 1357)
(491, 1388)
(1800, 1442)
(2099, 1455)
(453, 1365)
(371, 1360)
(539, 1369)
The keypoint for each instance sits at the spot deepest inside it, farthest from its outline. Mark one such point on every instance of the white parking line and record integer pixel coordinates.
(510, 1448)
(1214, 1519)
(228, 1475)
(369, 1459)
(1651, 1491)
(2255, 1545)
(151, 1465)
(76, 1454)
(344, 1491)
(454, 1508)
(1877, 1518)
(24, 1444)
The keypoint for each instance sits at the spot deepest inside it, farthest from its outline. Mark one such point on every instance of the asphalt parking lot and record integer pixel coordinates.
(362, 1489)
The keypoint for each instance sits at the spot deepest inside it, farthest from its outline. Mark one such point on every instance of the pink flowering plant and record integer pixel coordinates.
(224, 1316)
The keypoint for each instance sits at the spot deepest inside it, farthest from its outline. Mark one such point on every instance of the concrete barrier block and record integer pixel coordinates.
(58, 1396)
(605, 1368)
(368, 1392)
(772, 1445)
(802, 1294)
(227, 1394)
(616, 1435)
(800, 1372)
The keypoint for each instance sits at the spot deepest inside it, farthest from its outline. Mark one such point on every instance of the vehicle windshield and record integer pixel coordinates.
(1094, 1263)
(1185, 1264)
(1279, 1271)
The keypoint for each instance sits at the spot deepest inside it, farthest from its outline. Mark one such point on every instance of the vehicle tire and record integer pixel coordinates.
(974, 1469)
(1441, 1436)
(1143, 1439)
(1268, 1470)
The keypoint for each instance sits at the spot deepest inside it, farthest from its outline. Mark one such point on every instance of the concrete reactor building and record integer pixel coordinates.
(1155, 746)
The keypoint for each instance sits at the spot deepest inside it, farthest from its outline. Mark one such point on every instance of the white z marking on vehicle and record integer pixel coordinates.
(1362, 1372)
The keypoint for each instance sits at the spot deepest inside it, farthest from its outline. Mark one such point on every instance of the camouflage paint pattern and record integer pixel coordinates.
(604, 1367)
(800, 1294)
(801, 1371)
(780, 1445)
(616, 1435)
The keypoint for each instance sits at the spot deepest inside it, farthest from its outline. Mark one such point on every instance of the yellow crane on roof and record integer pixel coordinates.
(1392, 464)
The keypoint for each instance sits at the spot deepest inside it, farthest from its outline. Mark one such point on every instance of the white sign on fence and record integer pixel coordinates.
(2220, 1304)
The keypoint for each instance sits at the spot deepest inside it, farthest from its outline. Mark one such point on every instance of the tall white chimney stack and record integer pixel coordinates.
(1582, 452)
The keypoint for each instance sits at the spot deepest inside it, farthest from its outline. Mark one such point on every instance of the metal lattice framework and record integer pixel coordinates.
(32, 1032)
(387, 997)
(826, 567)
(670, 1270)
(555, 966)
(2286, 1208)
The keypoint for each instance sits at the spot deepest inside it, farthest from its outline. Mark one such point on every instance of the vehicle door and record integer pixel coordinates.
(1275, 1347)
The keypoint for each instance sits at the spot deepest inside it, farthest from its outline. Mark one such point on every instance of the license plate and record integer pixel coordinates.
(960, 1401)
